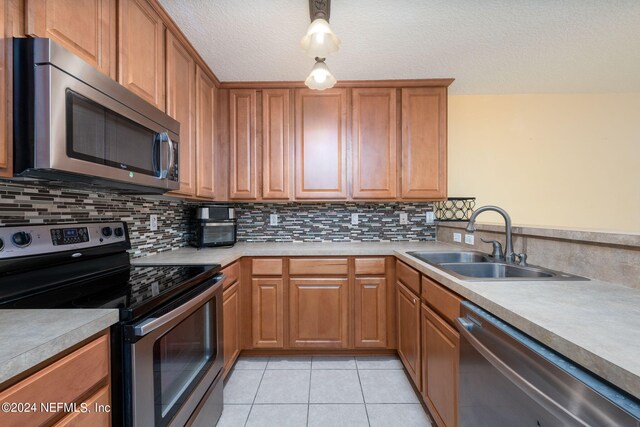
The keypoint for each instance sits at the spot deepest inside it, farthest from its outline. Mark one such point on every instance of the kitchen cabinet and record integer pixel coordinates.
(424, 143)
(141, 49)
(267, 312)
(374, 129)
(370, 312)
(69, 379)
(206, 152)
(408, 312)
(101, 399)
(321, 144)
(85, 27)
(276, 144)
(440, 362)
(181, 105)
(243, 150)
(231, 324)
(318, 312)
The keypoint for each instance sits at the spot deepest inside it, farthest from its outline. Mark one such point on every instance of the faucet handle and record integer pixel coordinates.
(497, 249)
(522, 259)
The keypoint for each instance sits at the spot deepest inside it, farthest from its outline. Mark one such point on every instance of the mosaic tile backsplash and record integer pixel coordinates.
(331, 222)
(39, 204)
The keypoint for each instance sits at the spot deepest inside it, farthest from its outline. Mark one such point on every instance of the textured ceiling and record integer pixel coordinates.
(490, 46)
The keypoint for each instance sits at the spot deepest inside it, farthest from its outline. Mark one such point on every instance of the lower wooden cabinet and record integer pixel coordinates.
(440, 357)
(370, 312)
(231, 324)
(80, 373)
(318, 312)
(267, 312)
(408, 313)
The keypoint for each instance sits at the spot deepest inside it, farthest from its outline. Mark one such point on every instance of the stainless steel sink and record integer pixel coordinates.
(477, 266)
(448, 257)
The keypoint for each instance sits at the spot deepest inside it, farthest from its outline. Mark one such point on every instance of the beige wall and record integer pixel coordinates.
(557, 160)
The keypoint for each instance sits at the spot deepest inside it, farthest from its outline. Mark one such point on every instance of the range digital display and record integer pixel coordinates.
(69, 236)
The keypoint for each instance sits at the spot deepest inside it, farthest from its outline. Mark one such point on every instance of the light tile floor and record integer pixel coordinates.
(320, 391)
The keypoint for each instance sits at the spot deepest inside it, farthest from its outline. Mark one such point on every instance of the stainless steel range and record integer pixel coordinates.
(167, 358)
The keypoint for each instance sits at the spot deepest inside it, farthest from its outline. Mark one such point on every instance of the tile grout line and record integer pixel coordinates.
(257, 390)
(309, 395)
(366, 411)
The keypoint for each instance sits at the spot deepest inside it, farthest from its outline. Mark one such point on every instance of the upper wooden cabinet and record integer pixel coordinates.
(374, 129)
(85, 27)
(276, 146)
(205, 135)
(181, 105)
(321, 144)
(424, 143)
(243, 151)
(141, 48)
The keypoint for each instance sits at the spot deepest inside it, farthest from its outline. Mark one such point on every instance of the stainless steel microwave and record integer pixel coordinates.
(76, 125)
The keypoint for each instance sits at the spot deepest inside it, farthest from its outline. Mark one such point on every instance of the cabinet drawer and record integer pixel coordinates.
(266, 266)
(63, 381)
(95, 417)
(370, 266)
(233, 274)
(440, 299)
(318, 266)
(408, 277)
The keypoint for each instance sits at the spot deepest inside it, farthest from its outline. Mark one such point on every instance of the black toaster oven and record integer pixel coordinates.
(213, 226)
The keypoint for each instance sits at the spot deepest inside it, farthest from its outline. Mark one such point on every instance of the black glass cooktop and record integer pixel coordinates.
(135, 290)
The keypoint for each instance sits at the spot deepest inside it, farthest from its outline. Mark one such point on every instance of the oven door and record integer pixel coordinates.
(175, 358)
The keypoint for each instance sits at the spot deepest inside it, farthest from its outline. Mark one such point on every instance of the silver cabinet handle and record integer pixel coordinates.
(465, 327)
(151, 324)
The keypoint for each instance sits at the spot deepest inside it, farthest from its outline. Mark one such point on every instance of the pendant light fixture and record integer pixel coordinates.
(319, 42)
(320, 77)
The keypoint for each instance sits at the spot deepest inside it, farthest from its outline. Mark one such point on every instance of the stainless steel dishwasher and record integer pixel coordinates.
(508, 379)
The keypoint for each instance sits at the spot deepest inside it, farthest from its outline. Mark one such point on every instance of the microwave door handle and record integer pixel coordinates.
(150, 325)
(155, 155)
(164, 138)
(465, 327)
(170, 162)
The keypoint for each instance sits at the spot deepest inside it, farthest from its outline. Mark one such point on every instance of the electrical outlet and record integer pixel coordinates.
(469, 239)
(457, 237)
(430, 217)
(354, 219)
(273, 219)
(153, 222)
(404, 218)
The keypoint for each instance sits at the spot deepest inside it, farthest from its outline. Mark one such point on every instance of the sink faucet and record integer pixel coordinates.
(509, 254)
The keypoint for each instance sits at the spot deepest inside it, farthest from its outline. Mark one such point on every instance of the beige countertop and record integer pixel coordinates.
(29, 337)
(594, 323)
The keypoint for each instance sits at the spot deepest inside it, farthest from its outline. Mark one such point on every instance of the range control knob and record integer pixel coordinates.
(21, 239)
(106, 231)
(118, 231)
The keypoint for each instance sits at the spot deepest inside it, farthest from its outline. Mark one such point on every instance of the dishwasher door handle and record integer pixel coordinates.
(465, 327)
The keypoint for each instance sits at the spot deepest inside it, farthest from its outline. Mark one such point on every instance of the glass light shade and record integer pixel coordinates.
(320, 40)
(320, 77)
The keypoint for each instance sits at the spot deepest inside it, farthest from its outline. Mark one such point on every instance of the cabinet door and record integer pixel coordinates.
(374, 126)
(205, 135)
(231, 324)
(141, 51)
(5, 161)
(321, 144)
(85, 27)
(181, 98)
(243, 157)
(371, 312)
(424, 143)
(93, 417)
(409, 331)
(318, 313)
(276, 147)
(267, 312)
(441, 347)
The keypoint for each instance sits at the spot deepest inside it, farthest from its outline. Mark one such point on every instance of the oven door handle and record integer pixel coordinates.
(466, 327)
(154, 323)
